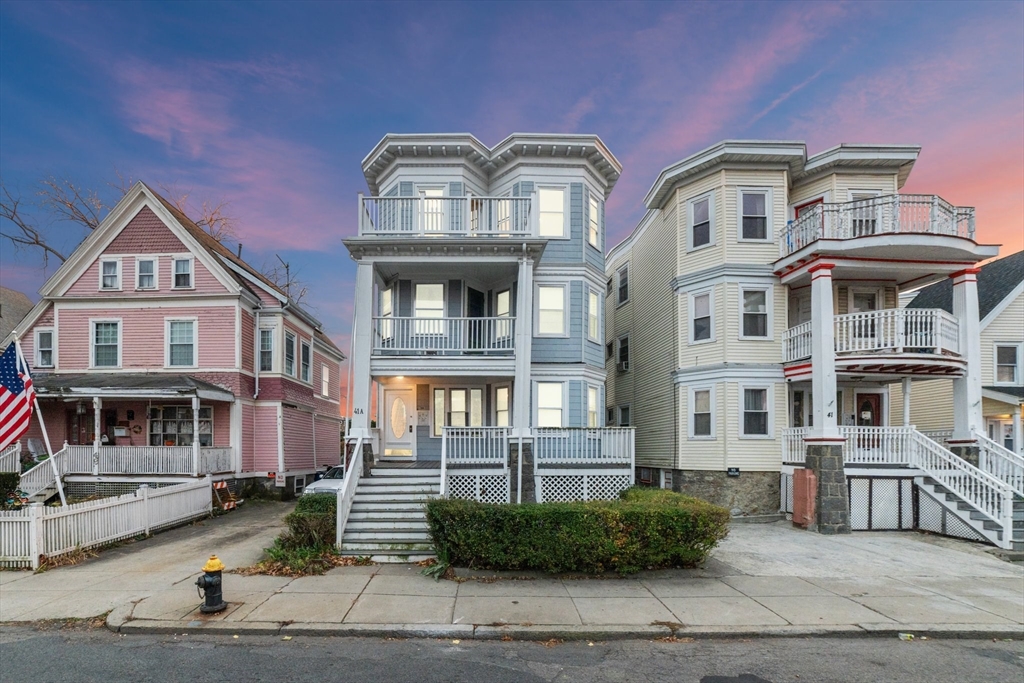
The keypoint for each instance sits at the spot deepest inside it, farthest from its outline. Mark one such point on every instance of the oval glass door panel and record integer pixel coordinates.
(398, 418)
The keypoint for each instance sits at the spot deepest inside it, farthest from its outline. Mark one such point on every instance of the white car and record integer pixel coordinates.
(330, 483)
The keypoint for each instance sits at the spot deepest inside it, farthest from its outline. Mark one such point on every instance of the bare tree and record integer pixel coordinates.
(281, 275)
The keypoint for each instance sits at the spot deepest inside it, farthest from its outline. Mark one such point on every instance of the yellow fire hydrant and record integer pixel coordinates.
(210, 587)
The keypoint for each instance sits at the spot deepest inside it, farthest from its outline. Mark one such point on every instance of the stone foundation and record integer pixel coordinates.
(832, 504)
(972, 454)
(751, 493)
(529, 483)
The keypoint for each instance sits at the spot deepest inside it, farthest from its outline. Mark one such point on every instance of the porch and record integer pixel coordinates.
(433, 215)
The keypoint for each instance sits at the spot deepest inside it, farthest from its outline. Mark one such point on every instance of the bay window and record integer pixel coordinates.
(549, 404)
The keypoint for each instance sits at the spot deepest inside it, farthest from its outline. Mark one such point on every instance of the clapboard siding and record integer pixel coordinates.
(805, 192)
(753, 350)
(264, 438)
(328, 441)
(427, 447)
(701, 454)
(1008, 326)
(844, 183)
(298, 439)
(737, 251)
(708, 352)
(248, 445)
(248, 333)
(703, 257)
(759, 455)
(88, 284)
(931, 404)
(564, 349)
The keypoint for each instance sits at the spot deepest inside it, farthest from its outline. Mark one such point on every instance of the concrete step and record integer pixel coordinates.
(388, 537)
(384, 513)
(395, 497)
(385, 508)
(400, 481)
(381, 524)
(422, 489)
(405, 472)
(393, 547)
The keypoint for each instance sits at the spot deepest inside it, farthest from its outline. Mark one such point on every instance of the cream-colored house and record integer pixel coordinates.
(1001, 308)
(753, 319)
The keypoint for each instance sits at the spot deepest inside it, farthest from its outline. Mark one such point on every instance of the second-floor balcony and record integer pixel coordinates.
(410, 336)
(429, 216)
(900, 214)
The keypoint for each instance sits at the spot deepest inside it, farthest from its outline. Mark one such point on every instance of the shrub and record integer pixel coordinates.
(312, 524)
(9, 481)
(644, 529)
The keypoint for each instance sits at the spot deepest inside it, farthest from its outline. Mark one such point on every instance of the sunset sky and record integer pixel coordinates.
(272, 106)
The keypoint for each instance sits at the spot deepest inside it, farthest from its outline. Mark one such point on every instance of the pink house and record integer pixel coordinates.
(156, 350)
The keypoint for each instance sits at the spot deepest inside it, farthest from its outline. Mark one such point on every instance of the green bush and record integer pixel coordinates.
(9, 481)
(644, 529)
(312, 524)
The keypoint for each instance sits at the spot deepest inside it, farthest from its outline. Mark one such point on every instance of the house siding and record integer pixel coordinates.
(299, 437)
(264, 438)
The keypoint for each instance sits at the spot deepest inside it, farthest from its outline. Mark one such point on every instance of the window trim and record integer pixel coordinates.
(284, 356)
(92, 342)
(594, 313)
(618, 353)
(566, 233)
(690, 203)
(769, 408)
(619, 301)
(306, 373)
(494, 404)
(156, 273)
(446, 406)
(564, 286)
(710, 292)
(259, 351)
(119, 274)
(191, 272)
(563, 405)
(769, 292)
(53, 347)
(769, 230)
(1019, 367)
(427, 329)
(594, 220)
(596, 388)
(692, 403)
(325, 380)
(195, 340)
(618, 414)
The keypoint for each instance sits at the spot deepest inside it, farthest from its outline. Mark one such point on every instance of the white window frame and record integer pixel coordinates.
(692, 307)
(619, 301)
(156, 273)
(92, 342)
(690, 203)
(594, 221)
(565, 309)
(259, 352)
(562, 408)
(565, 212)
(769, 312)
(593, 315)
(117, 266)
(433, 326)
(618, 352)
(306, 372)
(691, 432)
(508, 406)
(769, 231)
(1019, 368)
(446, 407)
(38, 347)
(628, 407)
(433, 221)
(191, 272)
(503, 328)
(195, 340)
(325, 380)
(770, 407)
(295, 354)
(595, 390)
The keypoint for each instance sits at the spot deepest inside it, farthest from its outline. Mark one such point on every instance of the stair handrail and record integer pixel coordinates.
(347, 492)
(1001, 462)
(988, 495)
(41, 477)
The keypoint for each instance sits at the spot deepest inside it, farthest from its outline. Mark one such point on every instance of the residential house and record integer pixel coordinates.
(157, 351)
(478, 333)
(1001, 309)
(753, 328)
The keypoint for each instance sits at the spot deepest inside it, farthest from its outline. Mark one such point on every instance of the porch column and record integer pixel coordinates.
(967, 417)
(824, 456)
(195, 436)
(906, 401)
(362, 333)
(524, 342)
(97, 413)
(1018, 447)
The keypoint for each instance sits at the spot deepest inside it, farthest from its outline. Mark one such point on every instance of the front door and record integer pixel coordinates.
(1001, 431)
(869, 410)
(399, 433)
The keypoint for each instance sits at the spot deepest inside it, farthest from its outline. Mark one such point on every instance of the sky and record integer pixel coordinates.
(272, 106)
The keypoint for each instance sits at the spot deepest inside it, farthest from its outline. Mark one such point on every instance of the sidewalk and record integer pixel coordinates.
(763, 580)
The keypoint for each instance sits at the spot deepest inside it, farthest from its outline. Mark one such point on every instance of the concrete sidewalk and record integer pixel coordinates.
(763, 580)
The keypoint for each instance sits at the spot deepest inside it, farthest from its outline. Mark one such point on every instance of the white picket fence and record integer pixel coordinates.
(37, 531)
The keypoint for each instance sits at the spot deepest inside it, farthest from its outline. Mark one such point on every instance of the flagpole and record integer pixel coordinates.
(46, 436)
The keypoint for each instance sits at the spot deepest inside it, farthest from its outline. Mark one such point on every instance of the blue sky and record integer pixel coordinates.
(272, 106)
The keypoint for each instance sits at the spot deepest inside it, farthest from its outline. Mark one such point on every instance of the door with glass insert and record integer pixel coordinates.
(399, 424)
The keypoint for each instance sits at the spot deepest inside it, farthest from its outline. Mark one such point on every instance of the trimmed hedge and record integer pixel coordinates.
(644, 529)
(312, 523)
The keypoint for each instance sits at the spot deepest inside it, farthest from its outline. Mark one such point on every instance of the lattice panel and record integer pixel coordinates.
(881, 503)
(606, 486)
(105, 489)
(786, 494)
(486, 488)
(860, 512)
(567, 488)
(933, 517)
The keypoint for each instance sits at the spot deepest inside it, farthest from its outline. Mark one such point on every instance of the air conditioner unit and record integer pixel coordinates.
(623, 366)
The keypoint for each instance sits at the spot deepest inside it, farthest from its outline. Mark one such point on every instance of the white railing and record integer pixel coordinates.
(35, 531)
(473, 447)
(148, 459)
(10, 458)
(347, 493)
(601, 447)
(877, 445)
(899, 330)
(467, 216)
(1001, 463)
(40, 477)
(902, 213)
(794, 450)
(429, 336)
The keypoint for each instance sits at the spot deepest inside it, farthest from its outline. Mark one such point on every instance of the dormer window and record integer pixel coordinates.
(110, 274)
(182, 273)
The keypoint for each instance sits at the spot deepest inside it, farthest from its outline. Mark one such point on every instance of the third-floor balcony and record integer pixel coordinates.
(898, 214)
(430, 216)
(393, 336)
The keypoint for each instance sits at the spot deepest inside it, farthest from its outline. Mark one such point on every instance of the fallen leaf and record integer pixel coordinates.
(456, 642)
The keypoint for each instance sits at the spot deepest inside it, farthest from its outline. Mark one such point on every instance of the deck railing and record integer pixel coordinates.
(443, 336)
(604, 446)
(1001, 463)
(424, 216)
(897, 213)
(898, 330)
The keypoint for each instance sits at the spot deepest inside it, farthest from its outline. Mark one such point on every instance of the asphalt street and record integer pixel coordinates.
(80, 654)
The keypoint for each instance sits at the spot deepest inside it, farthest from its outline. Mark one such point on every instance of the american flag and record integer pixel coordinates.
(16, 396)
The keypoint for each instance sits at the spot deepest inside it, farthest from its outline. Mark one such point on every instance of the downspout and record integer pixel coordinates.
(259, 307)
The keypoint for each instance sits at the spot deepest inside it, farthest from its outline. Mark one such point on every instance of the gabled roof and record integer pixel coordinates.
(13, 307)
(996, 281)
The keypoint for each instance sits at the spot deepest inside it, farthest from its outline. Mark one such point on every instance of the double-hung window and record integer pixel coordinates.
(106, 344)
(502, 406)
(624, 416)
(433, 209)
(145, 273)
(755, 411)
(305, 362)
(1008, 357)
(624, 353)
(701, 425)
(594, 231)
(181, 343)
(624, 284)
(755, 312)
(183, 273)
(593, 316)
(700, 317)
(549, 404)
(503, 309)
(44, 348)
(700, 222)
(110, 274)
(266, 359)
(428, 309)
(325, 381)
(551, 218)
(754, 219)
(289, 354)
(551, 310)
(465, 408)
(593, 416)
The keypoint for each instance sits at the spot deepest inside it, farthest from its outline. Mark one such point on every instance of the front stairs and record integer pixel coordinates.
(387, 522)
(977, 520)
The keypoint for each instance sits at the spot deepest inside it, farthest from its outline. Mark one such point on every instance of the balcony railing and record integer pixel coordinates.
(443, 336)
(897, 330)
(148, 459)
(424, 216)
(898, 213)
(601, 447)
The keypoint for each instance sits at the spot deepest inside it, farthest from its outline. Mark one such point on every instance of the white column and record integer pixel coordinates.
(1017, 445)
(906, 401)
(524, 342)
(97, 410)
(195, 436)
(967, 417)
(361, 349)
(823, 354)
